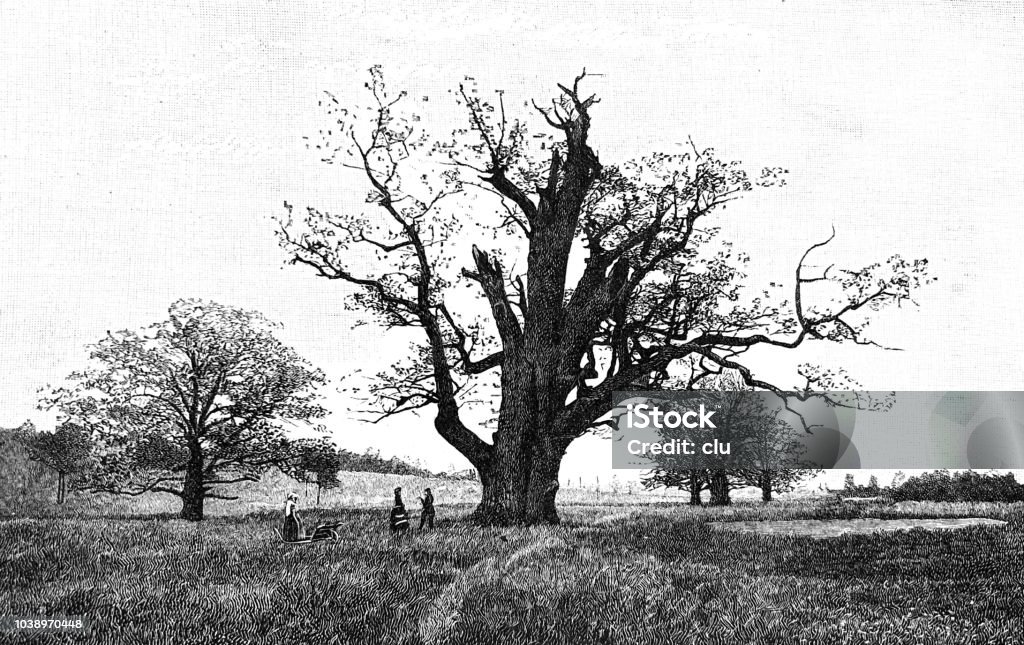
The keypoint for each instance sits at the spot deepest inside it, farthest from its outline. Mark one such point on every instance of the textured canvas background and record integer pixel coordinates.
(144, 148)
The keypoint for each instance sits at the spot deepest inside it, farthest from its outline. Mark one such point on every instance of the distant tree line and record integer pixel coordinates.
(852, 489)
(942, 486)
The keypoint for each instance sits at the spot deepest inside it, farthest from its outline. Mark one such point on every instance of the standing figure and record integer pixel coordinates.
(399, 516)
(427, 515)
(292, 521)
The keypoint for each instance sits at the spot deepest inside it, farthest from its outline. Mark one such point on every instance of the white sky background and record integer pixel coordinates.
(144, 149)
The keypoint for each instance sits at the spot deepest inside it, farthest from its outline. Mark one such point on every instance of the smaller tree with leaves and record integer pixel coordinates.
(775, 451)
(873, 485)
(190, 404)
(66, 451)
(315, 461)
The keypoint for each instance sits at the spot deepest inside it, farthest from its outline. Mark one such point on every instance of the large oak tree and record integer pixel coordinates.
(613, 276)
(190, 404)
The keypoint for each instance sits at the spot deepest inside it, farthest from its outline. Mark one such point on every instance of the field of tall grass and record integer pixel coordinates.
(611, 573)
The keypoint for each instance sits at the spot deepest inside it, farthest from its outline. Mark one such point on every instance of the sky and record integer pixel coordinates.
(144, 150)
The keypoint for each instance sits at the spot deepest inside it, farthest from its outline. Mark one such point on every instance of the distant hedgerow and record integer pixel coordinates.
(965, 486)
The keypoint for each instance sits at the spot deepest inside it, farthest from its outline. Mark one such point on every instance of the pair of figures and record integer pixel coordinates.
(399, 520)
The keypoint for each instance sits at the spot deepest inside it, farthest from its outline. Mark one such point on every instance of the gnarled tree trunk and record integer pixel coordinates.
(521, 482)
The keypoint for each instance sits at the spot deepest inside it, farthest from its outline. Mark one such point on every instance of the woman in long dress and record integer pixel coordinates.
(292, 521)
(399, 518)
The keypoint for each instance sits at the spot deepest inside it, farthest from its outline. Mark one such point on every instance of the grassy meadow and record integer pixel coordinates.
(659, 572)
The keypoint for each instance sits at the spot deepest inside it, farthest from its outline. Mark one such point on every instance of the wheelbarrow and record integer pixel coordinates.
(322, 533)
